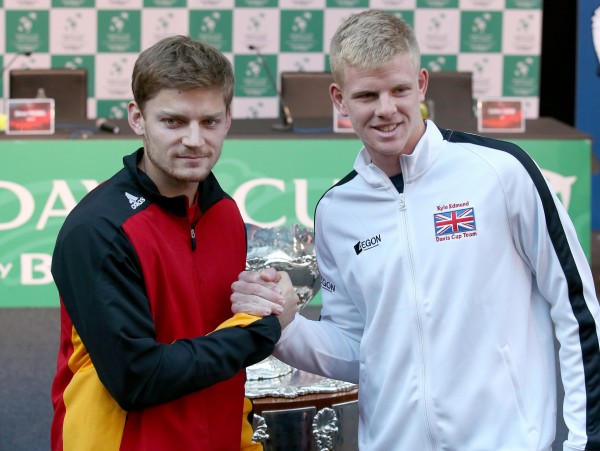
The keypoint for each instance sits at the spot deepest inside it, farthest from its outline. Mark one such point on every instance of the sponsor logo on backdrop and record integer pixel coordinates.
(119, 31)
(393, 4)
(160, 23)
(254, 108)
(114, 76)
(522, 32)
(296, 62)
(521, 76)
(118, 4)
(347, 3)
(73, 3)
(251, 78)
(438, 63)
(524, 4)
(27, 31)
(436, 31)
(73, 31)
(213, 27)
(208, 4)
(259, 28)
(487, 73)
(112, 109)
(165, 3)
(561, 185)
(301, 31)
(482, 4)
(437, 3)
(256, 3)
(481, 32)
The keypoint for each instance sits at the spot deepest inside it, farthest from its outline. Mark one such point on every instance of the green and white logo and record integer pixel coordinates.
(165, 3)
(256, 3)
(482, 5)
(347, 3)
(521, 76)
(481, 32)
(251, 79)
(113, 76)
(213, 27)
(439, 63)
(301, 62)
(112, 109)
(487, 73)
(437, 3)
(523, 4)
(436, 31)
(301, 31)
(522, 32)
(160, 23)
(78, 62)
(72, 31)
(73, 3)
(119, 31)
(27, 31)
(253, 108)
(258, 28)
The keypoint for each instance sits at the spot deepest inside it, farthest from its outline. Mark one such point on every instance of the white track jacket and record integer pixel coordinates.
(440, 302)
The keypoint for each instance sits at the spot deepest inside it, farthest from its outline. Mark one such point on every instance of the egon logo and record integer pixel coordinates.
(367, 244)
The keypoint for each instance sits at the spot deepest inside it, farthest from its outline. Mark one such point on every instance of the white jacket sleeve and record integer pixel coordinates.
(545, 235)
(329, 347)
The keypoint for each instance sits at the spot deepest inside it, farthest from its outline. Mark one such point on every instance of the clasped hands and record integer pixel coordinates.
(263, 293)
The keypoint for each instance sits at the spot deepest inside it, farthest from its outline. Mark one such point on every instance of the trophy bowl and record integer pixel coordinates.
(285, 248)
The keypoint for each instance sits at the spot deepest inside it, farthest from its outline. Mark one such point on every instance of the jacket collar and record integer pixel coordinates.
(413, 166)
(209, 190)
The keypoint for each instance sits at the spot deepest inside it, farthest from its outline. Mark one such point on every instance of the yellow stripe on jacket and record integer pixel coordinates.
(92, 415)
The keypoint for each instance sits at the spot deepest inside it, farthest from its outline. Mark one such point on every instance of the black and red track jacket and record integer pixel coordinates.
(150, 357)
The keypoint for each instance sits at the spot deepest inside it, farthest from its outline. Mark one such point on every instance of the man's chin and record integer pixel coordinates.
(191, 176)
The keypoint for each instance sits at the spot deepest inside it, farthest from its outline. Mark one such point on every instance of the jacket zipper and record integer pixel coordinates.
(424, 391)
(193, 237)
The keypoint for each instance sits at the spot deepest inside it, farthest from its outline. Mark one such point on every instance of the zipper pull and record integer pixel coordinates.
(402, 202)
(193, 235)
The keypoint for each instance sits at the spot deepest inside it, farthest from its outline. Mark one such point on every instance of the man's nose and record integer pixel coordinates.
(193, 136)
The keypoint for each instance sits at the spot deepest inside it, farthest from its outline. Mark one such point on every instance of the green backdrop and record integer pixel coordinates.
(275, 182)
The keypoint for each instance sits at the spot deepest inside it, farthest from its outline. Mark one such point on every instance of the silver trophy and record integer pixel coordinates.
(291, 249)
(285, 248)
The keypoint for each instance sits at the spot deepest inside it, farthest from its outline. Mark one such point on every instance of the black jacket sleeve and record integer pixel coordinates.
(100, 284)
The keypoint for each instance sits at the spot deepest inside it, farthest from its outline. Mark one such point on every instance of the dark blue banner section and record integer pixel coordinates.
(587, 106)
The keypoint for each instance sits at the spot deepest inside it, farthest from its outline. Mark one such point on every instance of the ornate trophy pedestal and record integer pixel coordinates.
(305, 412)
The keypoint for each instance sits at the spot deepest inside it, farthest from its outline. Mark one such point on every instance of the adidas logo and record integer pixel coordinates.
(134, 201)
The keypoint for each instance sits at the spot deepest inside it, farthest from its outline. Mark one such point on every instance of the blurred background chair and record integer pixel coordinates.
(68, 88)
(451, 95)
(306, 94)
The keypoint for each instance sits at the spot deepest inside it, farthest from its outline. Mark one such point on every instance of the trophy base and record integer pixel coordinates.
(304, 411)
(269, 368)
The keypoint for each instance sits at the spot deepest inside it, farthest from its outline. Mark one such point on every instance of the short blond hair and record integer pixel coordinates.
(369, 40)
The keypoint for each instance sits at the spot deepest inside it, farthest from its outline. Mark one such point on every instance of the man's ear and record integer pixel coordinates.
(423, 83)
(335, 92)
(135, 118)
